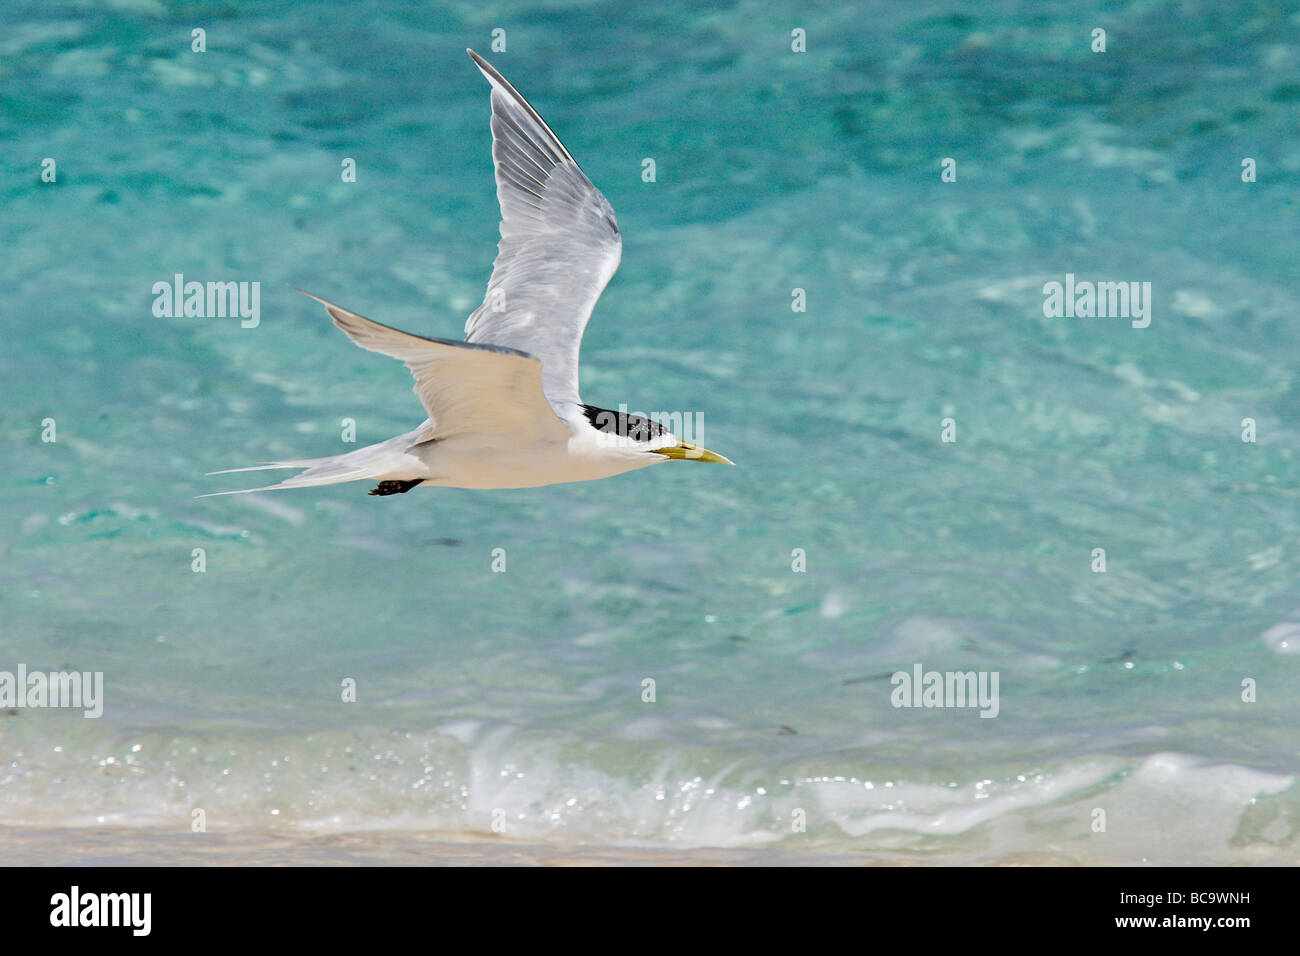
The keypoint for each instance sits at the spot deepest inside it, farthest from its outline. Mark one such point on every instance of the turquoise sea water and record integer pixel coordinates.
(511, 704)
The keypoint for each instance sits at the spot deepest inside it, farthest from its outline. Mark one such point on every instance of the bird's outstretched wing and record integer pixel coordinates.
(466, 388)
(559, 247)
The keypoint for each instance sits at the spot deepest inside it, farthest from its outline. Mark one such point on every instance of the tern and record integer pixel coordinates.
(503, 405)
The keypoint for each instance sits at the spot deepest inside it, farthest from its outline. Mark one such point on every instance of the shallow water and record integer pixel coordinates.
(512, 703)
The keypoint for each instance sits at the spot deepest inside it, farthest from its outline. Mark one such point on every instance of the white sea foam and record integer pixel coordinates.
(486, 779)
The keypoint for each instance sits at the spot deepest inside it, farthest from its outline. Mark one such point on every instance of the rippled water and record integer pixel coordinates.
(513, 703)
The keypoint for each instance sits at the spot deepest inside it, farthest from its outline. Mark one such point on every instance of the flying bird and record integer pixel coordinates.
(503, 405)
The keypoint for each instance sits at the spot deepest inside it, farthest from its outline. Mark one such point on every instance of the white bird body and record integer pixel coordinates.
(503, 406)
(481, 461)
(476, 462)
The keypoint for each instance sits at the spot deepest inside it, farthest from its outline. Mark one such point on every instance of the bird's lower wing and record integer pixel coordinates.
(465, 388)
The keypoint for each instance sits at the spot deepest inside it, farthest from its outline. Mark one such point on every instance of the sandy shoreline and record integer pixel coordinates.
(102, 846)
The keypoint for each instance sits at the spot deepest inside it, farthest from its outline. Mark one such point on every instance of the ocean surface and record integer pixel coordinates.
(1145, 713)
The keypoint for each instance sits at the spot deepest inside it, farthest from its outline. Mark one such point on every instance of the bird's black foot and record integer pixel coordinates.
(395, 487)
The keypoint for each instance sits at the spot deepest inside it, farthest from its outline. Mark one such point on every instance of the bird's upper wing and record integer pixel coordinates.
(559, 247)
(466, 388)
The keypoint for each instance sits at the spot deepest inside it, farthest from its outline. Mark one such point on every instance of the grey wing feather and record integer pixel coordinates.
(559, 247)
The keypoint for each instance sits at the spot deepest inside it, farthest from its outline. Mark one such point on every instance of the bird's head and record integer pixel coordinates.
(640, 436)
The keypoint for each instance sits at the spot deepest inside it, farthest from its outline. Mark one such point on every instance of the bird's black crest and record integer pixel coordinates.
(632, 427)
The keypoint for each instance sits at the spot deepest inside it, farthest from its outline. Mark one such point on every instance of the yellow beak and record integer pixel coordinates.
(685, 451)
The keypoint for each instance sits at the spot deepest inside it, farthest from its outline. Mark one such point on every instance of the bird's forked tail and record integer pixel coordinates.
(385, 461)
